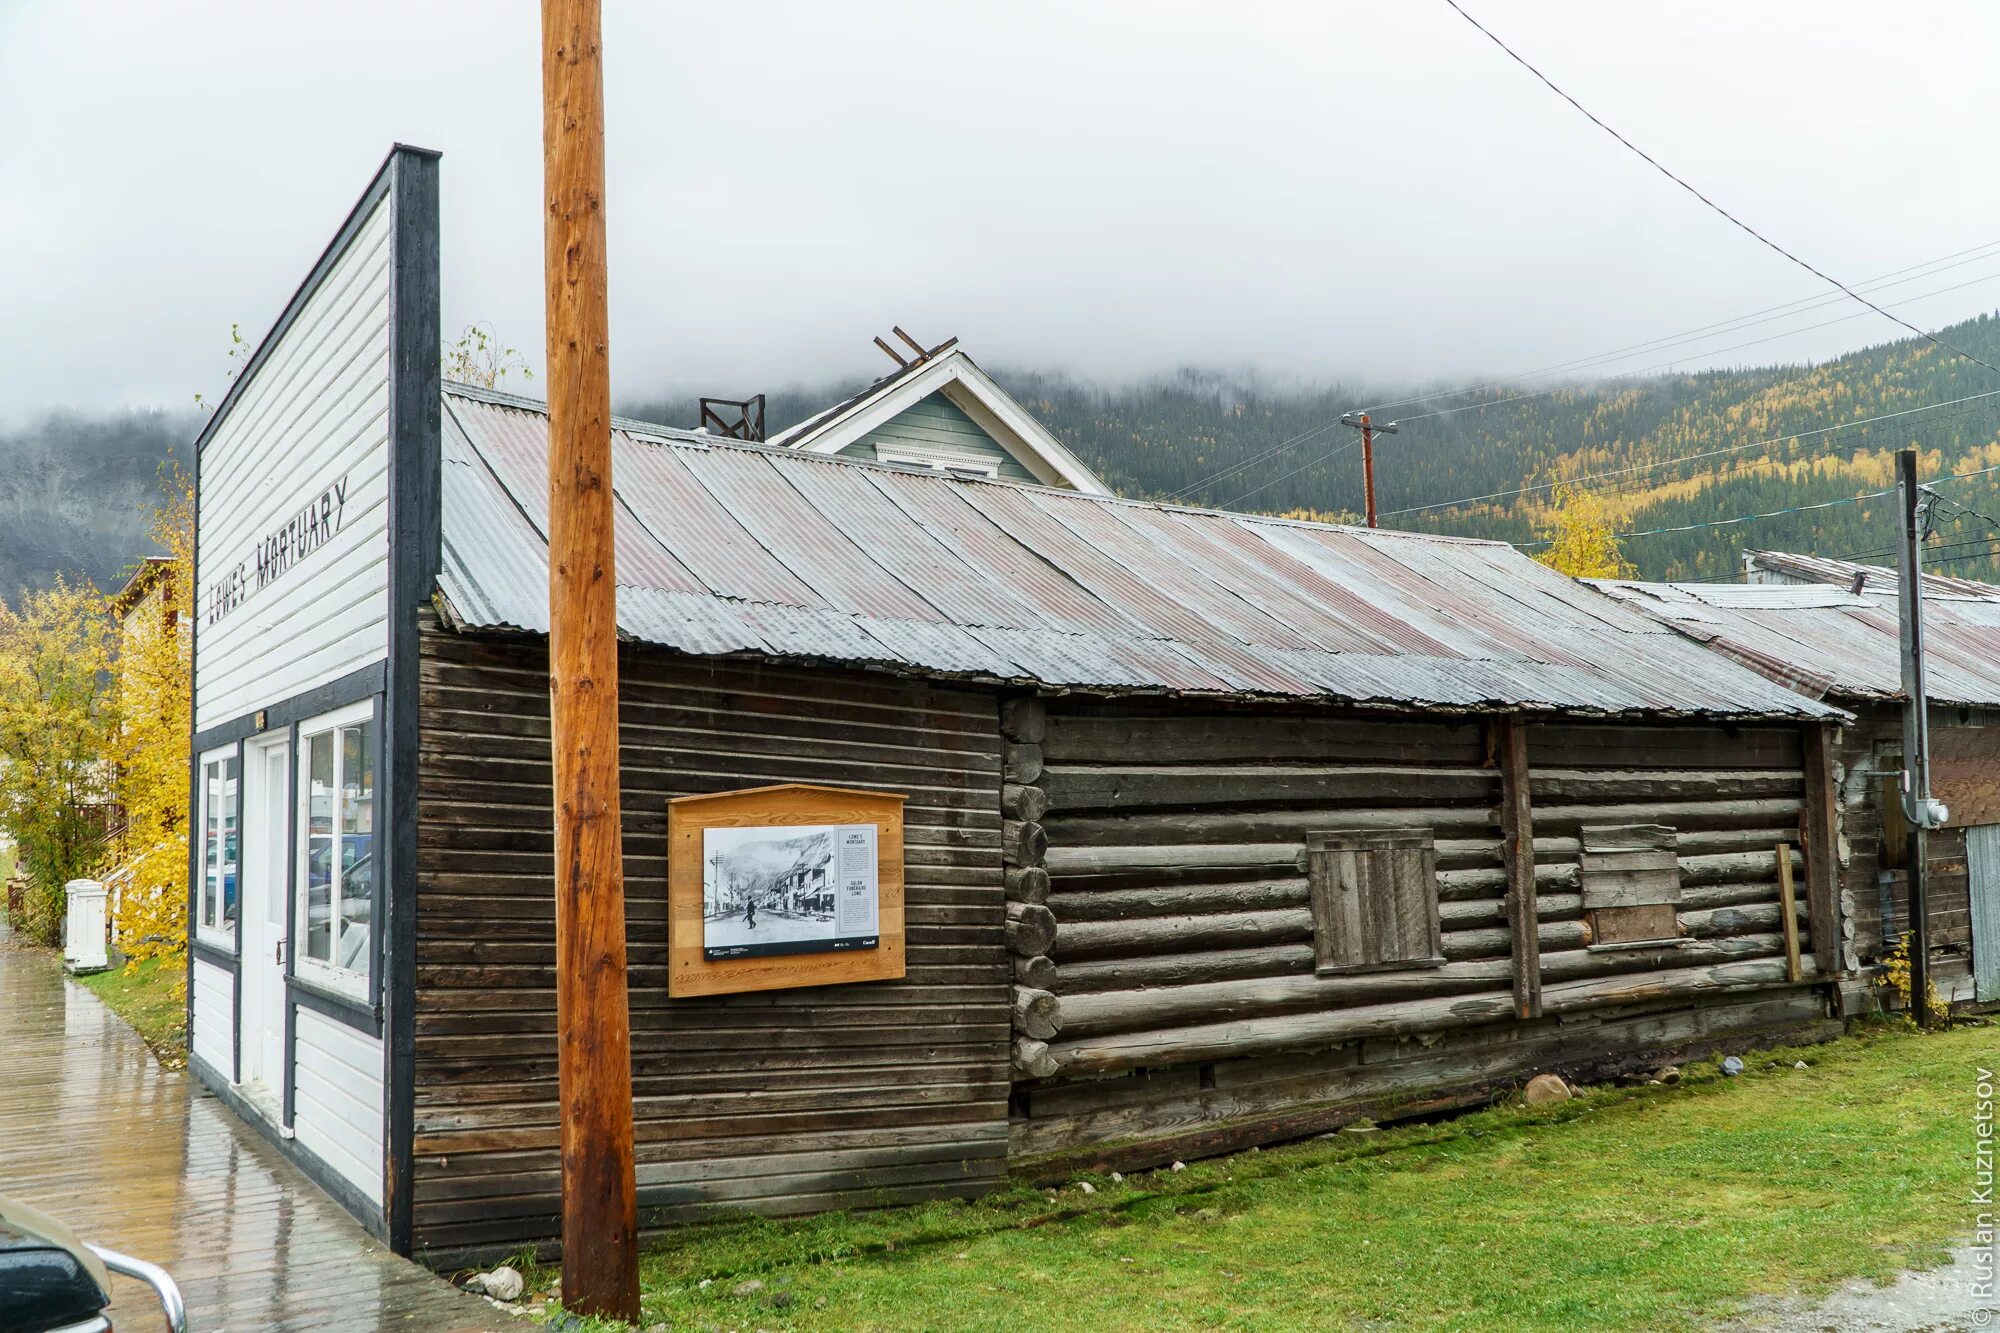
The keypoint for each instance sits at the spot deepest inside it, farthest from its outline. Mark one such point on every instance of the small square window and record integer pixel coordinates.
(1374, 900)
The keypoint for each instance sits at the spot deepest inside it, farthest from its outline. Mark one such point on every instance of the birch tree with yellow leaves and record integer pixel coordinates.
(151, 694)
(1581, 543)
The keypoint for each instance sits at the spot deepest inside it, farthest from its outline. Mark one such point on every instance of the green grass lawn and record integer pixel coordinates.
(1627, 1208)
(150, 997)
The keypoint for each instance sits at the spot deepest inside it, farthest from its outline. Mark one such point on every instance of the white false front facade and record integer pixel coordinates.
(292, 639)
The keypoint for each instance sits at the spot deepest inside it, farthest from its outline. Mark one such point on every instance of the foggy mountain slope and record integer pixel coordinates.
(76, 494)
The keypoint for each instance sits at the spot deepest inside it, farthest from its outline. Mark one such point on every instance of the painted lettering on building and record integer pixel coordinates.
(315, 524)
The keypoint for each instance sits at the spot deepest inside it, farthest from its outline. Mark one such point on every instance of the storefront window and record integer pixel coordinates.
(338, 779)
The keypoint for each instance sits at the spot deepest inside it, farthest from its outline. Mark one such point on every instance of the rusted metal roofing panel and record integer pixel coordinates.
(1829, 642)
(699, 529)
(965, 594)
(728, 548)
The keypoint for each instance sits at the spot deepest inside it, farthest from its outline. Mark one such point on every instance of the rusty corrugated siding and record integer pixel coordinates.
(728, 548)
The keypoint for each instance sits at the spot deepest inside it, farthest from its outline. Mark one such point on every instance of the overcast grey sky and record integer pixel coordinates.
(1323, 190)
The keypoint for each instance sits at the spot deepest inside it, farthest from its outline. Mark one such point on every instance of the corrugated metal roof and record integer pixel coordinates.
(1781, 568)
(733, 548)
(1831, 643)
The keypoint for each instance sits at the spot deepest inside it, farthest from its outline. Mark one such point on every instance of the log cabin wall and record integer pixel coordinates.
(1874, 840)
(1178, 955)
(782, 1101)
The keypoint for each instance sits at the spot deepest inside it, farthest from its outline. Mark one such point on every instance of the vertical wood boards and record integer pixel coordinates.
(790, 803)
(1374, 900)
(1982, 864)
(774, 1102)
(1822, 852)
(1517, 853)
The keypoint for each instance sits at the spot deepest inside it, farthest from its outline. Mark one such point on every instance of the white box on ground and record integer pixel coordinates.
(85, 927)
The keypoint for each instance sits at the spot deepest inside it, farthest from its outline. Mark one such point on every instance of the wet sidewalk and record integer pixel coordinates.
(140, 1159)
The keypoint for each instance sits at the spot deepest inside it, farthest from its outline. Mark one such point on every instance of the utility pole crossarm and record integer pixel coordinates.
(1369, 430)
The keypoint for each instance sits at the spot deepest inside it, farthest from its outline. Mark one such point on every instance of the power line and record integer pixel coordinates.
(1671, 341)
(1234, 468)
(1328, 457)
(1688, 458)
(1713, 351)
(1780, 513)
(1718, 208)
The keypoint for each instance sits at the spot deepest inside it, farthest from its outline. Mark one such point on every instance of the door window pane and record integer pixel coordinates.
(211, 843)
(320, 797)
(357, 859)
(231, 788)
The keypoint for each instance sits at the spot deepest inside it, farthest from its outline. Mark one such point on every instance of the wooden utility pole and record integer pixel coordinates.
(1360, 422)
(1919, 809)
(600, 1257)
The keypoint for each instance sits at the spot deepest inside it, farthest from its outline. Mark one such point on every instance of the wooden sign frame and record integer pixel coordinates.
(691, 973)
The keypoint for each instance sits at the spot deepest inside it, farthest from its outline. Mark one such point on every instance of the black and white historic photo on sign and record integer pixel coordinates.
(796, 888)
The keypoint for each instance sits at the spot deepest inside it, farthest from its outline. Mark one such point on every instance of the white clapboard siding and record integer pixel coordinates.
(215, 1017)
(337, 1099)
(315, 410)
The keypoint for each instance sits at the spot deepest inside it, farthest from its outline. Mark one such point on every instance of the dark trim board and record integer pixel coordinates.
(291, 1051)
(304, 1158)
(415, 559)
(358, 684)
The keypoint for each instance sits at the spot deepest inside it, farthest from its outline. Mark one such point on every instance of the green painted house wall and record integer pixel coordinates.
(938, 422)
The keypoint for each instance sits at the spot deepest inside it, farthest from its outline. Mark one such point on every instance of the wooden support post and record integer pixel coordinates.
(1822, 852)
(1788, 912)
(1517, 843)
(600, 1256)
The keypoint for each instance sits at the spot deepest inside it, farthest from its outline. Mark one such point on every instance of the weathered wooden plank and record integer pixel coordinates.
(1076, 787)
(1081, 732)
(1788, 911)
(1822, 859)
(1517, 850)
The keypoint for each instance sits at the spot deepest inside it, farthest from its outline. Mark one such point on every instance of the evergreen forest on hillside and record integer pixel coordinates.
(1665, 451)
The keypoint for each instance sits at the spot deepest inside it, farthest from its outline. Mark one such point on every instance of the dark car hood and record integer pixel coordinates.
(47, 1278)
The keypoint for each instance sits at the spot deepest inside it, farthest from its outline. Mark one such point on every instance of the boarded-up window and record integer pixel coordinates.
(1631, 884)
(1374, 900)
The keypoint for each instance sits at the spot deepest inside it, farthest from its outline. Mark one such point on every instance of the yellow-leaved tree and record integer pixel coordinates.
(56, 723)
(150, 684)
(1581, 543)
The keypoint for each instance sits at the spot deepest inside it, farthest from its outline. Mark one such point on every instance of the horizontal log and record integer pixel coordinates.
(1038, 971)
(1022, 842)
(1024, 718)
(1750, 919)
(1165, 934)
(1129, 1010)
(1033, 1059)
(1493, 911)
(1291, 824)
(1064, 860)
(1037, 1013)
(1020, 801)
(1463, 944)
(1313, 1031)
(1177, 969)
(1027, 884)
(1736, 867)
(1031, 929)
(1688, 842)
(1769, 812)
(1130, 787)
(1119, 734)
(1592, 786)
(1021, 763)
(1707, 897)
(1575, 964)
(1491, 881)
(1179, 899)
